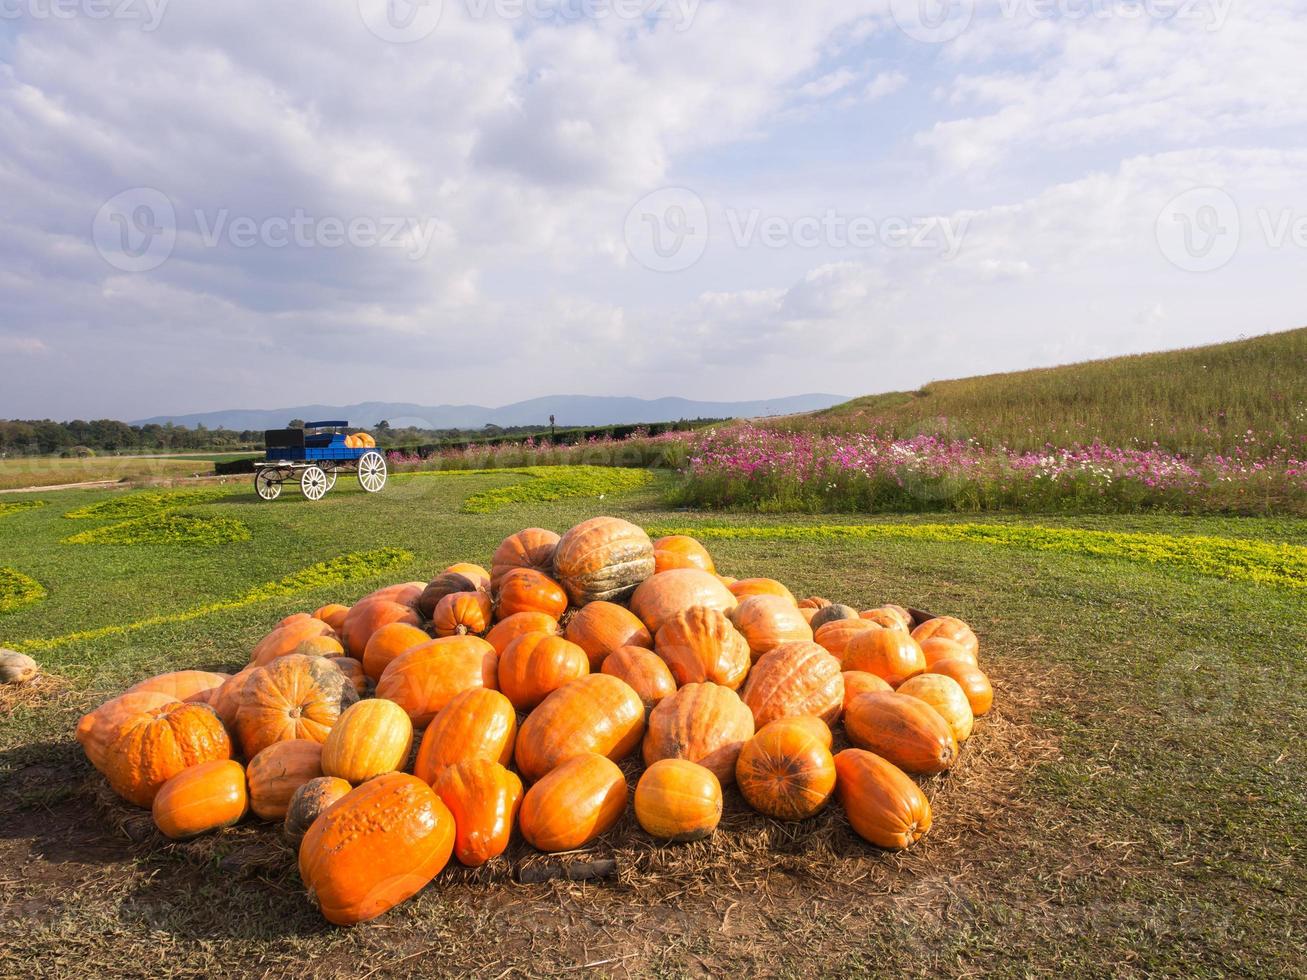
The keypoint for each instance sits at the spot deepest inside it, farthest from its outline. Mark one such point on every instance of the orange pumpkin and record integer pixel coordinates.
(818, 728)
(371, 738)
(596, 713)
(445, 584)
(903, 729)
(835, 636)
(890, 617)
(294, 697)
(745, 587)
(601, 627)
(883, 805)
(404, 593)
(507, 630)
(814, 602)
(284, 639)
(950, 628)
(785, 771)
(644, 671)
(477, 724)
(99, 729)
(321, 646)
(426, 678)
(574, 803)
(889, 654)
(278, 771)
(662, 596)
(309, 802)
(532, 548)
(460, 613)
(860, 682)
(795, 679)
(681, 551)
(526, 590)
(701, 644)
(387, 644)
(767, 621)
(536, 665)
(703, 723)
(475, 572)
(227, 699)
(353, 671)
(974, 682)
(678, 800)
(206, 797)
(376, 847)
(936, 648)
(603, 558)
(370, 615)
(333, 614)
(484, 798)
(808, 615)
(946, 696)
(199, 686)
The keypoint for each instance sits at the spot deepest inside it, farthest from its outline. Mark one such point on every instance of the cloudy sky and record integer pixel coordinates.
(254, 204)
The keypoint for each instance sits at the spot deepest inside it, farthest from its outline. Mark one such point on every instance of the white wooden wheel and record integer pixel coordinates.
(314, 483)
(372, 472)
(267, 484)
(331, 478)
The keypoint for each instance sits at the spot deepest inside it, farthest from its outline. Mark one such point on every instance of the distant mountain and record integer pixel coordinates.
(569, 410)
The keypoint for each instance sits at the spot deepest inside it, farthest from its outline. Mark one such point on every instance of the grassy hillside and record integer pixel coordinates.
(1204, 399)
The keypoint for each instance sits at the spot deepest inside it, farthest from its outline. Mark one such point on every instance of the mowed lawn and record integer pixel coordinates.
(1134, 805)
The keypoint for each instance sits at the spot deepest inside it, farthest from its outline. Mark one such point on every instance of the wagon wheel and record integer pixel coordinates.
(372, 472)
(267, 484)
(314, 483)
(331, 478)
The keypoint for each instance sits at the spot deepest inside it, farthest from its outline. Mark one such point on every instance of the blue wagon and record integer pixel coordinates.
(314, 456)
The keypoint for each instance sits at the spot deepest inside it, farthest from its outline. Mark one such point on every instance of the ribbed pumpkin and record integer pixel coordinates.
(371, 738)
(309, 802)
(946, 696)
(536, 665)
(445, 584)
(278, 771)
(701, 644)
(479, 576)
(819, 729)
(388, 643)
(200, 686)
(795, 679)
(662, 596)
(678, 800)
(206, 797)
(950, 628)
(860, 682)
(526, 590)
(601, 627)
(294, 697)
(903, 729)
(703, 723)
(574, 803)
(370, 615)
(597, 713)
(835, 637)
(507, 630)
(321, 646)
(883, 805)
(460, 613)
(532, 548)
(644, 671)
(785, 771)
(681, 551)
(376, 847)
(745, 587)
(891, 654)
(484, 798)
(891, 617)
(477, 724)
(767, 621)
(426, 678)
(936, 648)
(830, 613)
(99, 729)
(284, 639)
(333, 614)
(603, 558)
(973, 681)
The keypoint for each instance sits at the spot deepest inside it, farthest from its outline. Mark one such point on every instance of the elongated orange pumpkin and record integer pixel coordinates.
(376, 847)
(507, 630)
(678, 800)
(309, 802)
(886, 618)
(767, 621)
(321, 646)
(903, 729)
(206, 797)
(601, 627)
(883, 805)
(946, 696)
(484, 798)
(426, 678)
(795, 679)
(936, 648)
(681, 551)
(703, 723)
(974, 682)
(369, 615)
(199, 686)
(662, 596)
(477, 724)
(526, 590)
(785, 771)
(892, 655)
(603, 559)
(574, 803)
(285, 639)
(597, 713)
(835, 636)
(294, 697)
(536, 665)
(278, 771)
(644, 671)
(388, 643)
(701, 644)
(532, 548)
(745, 587)
(369, 739)
(860, 682)
(951, 628)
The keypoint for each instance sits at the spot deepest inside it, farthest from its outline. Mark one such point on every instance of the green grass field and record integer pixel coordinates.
(1136, 804)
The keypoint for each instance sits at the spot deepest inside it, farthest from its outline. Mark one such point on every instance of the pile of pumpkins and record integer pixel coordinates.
(360, 440)
(523, 686)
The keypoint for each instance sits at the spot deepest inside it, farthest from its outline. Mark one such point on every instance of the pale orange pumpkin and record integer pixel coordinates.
(293, 697)
(745, 587)
(860, 682)
(704, 723)
(701, 644)
(681, 551)
(660, 597)
(946, 696)
(835, 636)
(532, 548)
(889, 654)
(278, 771)
(369, 739)
(795, 679)
(767, 621)
(601, 627)
(284, 639)
(951, 628)
(603, 558)
(537, 664)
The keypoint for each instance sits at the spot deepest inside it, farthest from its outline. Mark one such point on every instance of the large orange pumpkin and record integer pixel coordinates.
(200, 686)
(701, 644)
(532, 548)
(785, 771)
(596, 713)
(370, 738)
(601, 627)
(745, 587)
(309, 802)
(644, 671)
(835, 636)
(405, 593)
(388, 643)
(285, 639)
(484, 798)
(936, 648)
(333, 614)
(574, 803)
(462, 612)
(704, 723)
(951, 628)
(477, 724)
(370, 615)
(603, 558)
(278, 771)
(526, 590)
(426, 678)
(883, 805)
(860, 682)
(536, 665)
(903, 729)
(376, 847)
(946, 696)
(889, 654)
(445, 584)
(294, 697)
(662, 596)
(227, 699)
(887, 616)
(678, 800)
(479, 576)
(206, 797)
(974, 682)
(767, 621)
(507, 630)
(795, 679)
(681, 551)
